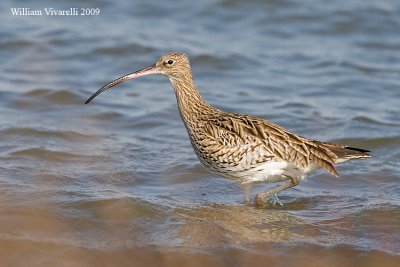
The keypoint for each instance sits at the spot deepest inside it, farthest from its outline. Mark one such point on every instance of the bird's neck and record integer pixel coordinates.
(190, 103)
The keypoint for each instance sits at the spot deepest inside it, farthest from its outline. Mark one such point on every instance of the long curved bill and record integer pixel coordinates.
(146, 71)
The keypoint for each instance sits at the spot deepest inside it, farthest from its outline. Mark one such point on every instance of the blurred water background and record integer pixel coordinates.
(116, 183)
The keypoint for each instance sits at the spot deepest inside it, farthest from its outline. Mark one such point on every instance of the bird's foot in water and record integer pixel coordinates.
(267, 201)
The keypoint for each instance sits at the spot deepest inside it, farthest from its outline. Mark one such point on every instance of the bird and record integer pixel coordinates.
(242, 147)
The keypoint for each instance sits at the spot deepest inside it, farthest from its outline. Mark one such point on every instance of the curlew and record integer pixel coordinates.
(241, 147)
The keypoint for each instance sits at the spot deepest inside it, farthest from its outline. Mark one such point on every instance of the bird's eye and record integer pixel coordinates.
(170, 62)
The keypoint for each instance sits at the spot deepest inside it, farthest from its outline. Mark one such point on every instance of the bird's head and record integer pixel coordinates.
(174, 65)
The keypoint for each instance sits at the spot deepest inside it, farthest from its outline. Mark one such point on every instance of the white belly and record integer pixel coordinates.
(269, 172)
(247, 170)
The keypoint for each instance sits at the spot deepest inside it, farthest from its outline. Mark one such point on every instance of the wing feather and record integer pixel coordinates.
(279, 142)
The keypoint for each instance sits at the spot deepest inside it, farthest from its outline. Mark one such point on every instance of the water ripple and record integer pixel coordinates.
(56, 156)
(44, 133)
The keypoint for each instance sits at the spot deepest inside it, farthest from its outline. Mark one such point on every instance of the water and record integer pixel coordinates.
(116, 182)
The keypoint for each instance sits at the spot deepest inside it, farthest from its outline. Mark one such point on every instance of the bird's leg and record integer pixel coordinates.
(260, 200)
(247, 188)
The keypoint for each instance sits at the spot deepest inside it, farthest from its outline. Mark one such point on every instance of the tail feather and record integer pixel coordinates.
(338, 154)
(345, 153)
(357, 149)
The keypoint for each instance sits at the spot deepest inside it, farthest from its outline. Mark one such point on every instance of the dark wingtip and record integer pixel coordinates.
(358, 149)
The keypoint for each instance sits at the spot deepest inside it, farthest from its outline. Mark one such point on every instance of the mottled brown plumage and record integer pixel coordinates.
(238, 146)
